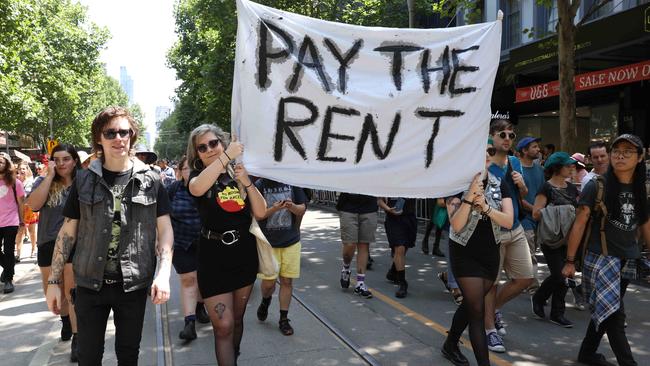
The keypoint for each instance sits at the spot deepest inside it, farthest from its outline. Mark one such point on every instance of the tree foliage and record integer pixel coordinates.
(171, 143)
(204, 53)
(50, 70)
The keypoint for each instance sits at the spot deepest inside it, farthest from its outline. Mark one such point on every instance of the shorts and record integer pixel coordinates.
(401, 230)
(45, 253)
(515, 254)
(184, 260)
(289, 260)
(358, 228)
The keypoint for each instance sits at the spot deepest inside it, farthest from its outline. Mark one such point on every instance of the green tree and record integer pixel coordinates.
(171, 143)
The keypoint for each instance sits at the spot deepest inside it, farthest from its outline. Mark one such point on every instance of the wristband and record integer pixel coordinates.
(570, 261)
(53, 282)
(468, 202)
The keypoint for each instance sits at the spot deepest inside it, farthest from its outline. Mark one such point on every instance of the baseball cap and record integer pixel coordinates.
(579, 158)
(527, 141)
(632, 139)
(559, 158)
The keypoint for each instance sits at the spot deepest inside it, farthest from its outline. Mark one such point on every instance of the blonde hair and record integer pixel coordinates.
(193, 159)
(29, 173)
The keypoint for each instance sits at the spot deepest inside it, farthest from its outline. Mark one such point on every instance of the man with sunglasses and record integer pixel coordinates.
(514, 250)
(117, 219)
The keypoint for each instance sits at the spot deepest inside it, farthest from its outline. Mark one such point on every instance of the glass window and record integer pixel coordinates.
(603, 124)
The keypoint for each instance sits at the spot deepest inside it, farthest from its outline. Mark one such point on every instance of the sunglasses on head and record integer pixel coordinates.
(510, 135)
(491, 150)
(202, 148)
(110, 133)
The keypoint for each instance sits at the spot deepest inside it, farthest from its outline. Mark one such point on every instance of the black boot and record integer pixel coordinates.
(403, 285)
(263, 309)
(66, 328)
(189, 332)
(391, 275)
(201, 315)
(74, 349)
(451, 352)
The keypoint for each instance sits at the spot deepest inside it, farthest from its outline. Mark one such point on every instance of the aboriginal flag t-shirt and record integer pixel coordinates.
(221, 207)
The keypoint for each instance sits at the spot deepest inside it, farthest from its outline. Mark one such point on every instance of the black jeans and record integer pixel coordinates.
(614, 326)
(92, 310)
(7, 258)
(554, 285)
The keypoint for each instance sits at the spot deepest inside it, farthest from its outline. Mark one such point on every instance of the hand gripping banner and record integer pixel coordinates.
(377, 111)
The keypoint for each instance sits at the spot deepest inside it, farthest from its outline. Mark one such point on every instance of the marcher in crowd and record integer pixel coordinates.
(555, 208)
(12, 195)
(117, 220)
(187, 227)
(476, 217)
(599, 156)
(30, 218)
(534, 179)
(227, 265)
(579, 170)
(167, 172)
(611, 255)
(358, 222)
(514, 249)
(48, 197)
(401, 230)
(547, 150)
(286, 206)
(436, 205)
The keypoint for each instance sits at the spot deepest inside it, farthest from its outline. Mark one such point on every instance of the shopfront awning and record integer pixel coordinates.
(587, 81)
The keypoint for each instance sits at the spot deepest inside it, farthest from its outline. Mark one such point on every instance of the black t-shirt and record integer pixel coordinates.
(117, 182)
(281, 227)
(357, 203)
(221, 207)
(620, 231)
(559, 196)
(483, 230)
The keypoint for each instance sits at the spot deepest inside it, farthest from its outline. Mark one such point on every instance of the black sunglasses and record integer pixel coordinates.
(202, 148)
(511, 135)
(491, 150)
(110, 133)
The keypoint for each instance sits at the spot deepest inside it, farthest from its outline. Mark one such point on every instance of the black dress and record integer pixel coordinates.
(480, 257)
(224, 268)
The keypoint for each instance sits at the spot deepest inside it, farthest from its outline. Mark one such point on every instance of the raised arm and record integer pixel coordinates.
(38, 196)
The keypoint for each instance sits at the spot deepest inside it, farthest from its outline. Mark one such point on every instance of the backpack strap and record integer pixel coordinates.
(602, 209)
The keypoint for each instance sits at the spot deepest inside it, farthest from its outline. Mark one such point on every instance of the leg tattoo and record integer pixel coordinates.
(220, 308)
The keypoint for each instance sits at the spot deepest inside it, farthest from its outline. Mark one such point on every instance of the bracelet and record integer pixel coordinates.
(248, 186)
(228, 156)
(487, 212)
(466, 201)
(53, 282)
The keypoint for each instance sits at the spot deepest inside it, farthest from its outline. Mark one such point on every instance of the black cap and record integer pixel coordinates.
(632, 139)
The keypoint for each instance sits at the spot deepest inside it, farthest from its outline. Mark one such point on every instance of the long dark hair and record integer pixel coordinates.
(613, 190)
(55, 195)
(9, 172)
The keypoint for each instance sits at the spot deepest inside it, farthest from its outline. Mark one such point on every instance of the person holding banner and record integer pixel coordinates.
(227, 253)
(476, 217)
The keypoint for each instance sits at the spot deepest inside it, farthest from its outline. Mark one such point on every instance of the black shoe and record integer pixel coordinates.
(285, 327)
(9, 287)
(425, 247)
(596, 359)
(201, 315)
(74, 349)
(363, 292)
(66, 328)
(538, 309)
(263, 311)
(437, 252)
(345, 278)
(3, 278)
(189, 332)
(402, 290)
(370, 263)
(561, 321)
(391, 276)
(17, 259)
(453, 354)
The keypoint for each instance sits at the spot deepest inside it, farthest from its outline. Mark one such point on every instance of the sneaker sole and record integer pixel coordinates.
(500, 349)
(502, 331)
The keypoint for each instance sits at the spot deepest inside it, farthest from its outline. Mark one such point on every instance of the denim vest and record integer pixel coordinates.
(493, 198)
(137, 246)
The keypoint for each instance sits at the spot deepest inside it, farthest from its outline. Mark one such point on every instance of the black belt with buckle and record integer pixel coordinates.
(111, 282)
(227, 237)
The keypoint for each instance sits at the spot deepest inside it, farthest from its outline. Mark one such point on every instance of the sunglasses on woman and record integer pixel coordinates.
(491, 150)
(510, 135)
(111, 133)
(202, 148)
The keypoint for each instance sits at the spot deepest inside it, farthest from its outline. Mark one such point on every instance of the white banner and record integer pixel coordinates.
(377, 111)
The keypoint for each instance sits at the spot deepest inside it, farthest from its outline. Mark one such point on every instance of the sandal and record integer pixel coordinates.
(285, 328)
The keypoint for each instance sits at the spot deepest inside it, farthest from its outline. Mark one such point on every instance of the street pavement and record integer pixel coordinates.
(390, 331)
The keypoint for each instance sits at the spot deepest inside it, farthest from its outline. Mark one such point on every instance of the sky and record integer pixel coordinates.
(142, 31)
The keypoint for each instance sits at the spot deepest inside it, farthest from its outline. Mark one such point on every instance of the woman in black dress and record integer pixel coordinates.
(475, 217)
(227, 252)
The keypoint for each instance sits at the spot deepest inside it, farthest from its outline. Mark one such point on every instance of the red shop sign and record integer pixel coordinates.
(591, 80)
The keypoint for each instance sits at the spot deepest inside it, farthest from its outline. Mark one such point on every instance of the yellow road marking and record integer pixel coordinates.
(431, 324)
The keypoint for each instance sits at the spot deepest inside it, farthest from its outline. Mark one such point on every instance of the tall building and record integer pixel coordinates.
(162, 112)
(126, 83)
